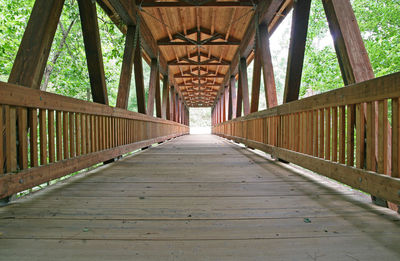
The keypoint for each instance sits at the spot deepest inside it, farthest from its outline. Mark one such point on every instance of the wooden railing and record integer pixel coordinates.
(46, 136)
(343, 134)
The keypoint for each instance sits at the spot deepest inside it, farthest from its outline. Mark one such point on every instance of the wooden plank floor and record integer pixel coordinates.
(197, 197)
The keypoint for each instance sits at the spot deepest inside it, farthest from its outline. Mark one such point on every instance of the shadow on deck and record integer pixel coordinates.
(198, 197)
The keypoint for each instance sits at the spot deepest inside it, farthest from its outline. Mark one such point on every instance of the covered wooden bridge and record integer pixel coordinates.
(227, 196)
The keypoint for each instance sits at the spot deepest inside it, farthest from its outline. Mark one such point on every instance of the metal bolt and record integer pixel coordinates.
(21, 181)
(360, 179)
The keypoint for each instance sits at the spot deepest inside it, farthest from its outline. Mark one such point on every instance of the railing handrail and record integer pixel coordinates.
(344, 134)
(16, 95)
(367, 91)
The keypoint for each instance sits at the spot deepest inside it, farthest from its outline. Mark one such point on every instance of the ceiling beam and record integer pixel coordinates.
(214, 3)
(267, 11)
(128, 11)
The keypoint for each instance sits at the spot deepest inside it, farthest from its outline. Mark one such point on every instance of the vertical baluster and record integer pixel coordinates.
(315, 133)
(65, 135)
(52, 148)
(11, 139)
(395, 138)
(342, 134)
(321, 133)
(371, 159)
(33, 137)
(71, 134)
(22, 138)
(83, 134)
(2, 155)
(78, 118)
(59, 139)
(311, 131)
(297, 133)
(328, 133)
(92, 134)
(300, 130)
(334, 134)
(43, 136)
(382, 136)
(360, 132)
(97, 131)
(350, 135)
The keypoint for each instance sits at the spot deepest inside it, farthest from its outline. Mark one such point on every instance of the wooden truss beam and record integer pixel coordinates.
(154, 78)
(165, 99)
(255, 90)
(212, 36)
(267, 67)
(232, 98)
(188, 3)
(267, 11)
(301, 13)
(94, 56)
(188, 60)
(139, 78)
(243, 86)
(350, 50)
(126, 70)
(128, 11)
(35, 46)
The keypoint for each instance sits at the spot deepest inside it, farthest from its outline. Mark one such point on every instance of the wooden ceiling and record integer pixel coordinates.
(199, 40)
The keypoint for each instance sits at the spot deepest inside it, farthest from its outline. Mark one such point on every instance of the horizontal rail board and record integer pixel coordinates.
(49, 136)
(12, 183)
(376, 184)
(385, 87)
(344, 134)
(15, 95)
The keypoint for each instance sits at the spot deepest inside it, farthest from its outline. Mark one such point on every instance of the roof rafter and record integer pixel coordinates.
(191, 3)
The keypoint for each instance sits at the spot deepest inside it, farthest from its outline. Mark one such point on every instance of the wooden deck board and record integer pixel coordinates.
(197, 198)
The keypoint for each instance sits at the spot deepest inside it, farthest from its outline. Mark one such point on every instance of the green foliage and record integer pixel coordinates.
(379, 22)
(14, 16)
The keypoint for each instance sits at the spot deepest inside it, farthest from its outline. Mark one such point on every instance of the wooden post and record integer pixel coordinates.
(226, 90)
(267, 67)
(223, 107)
(35, 46)
(165, 99)
(353, 58)
(243, 85)
(152, 86)
(301, 13)
(139, 81)
(126, 70)
(176, 107)
(172, 105)
(94, 57)
(255, 89)
(232, 98)
(158, 96)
